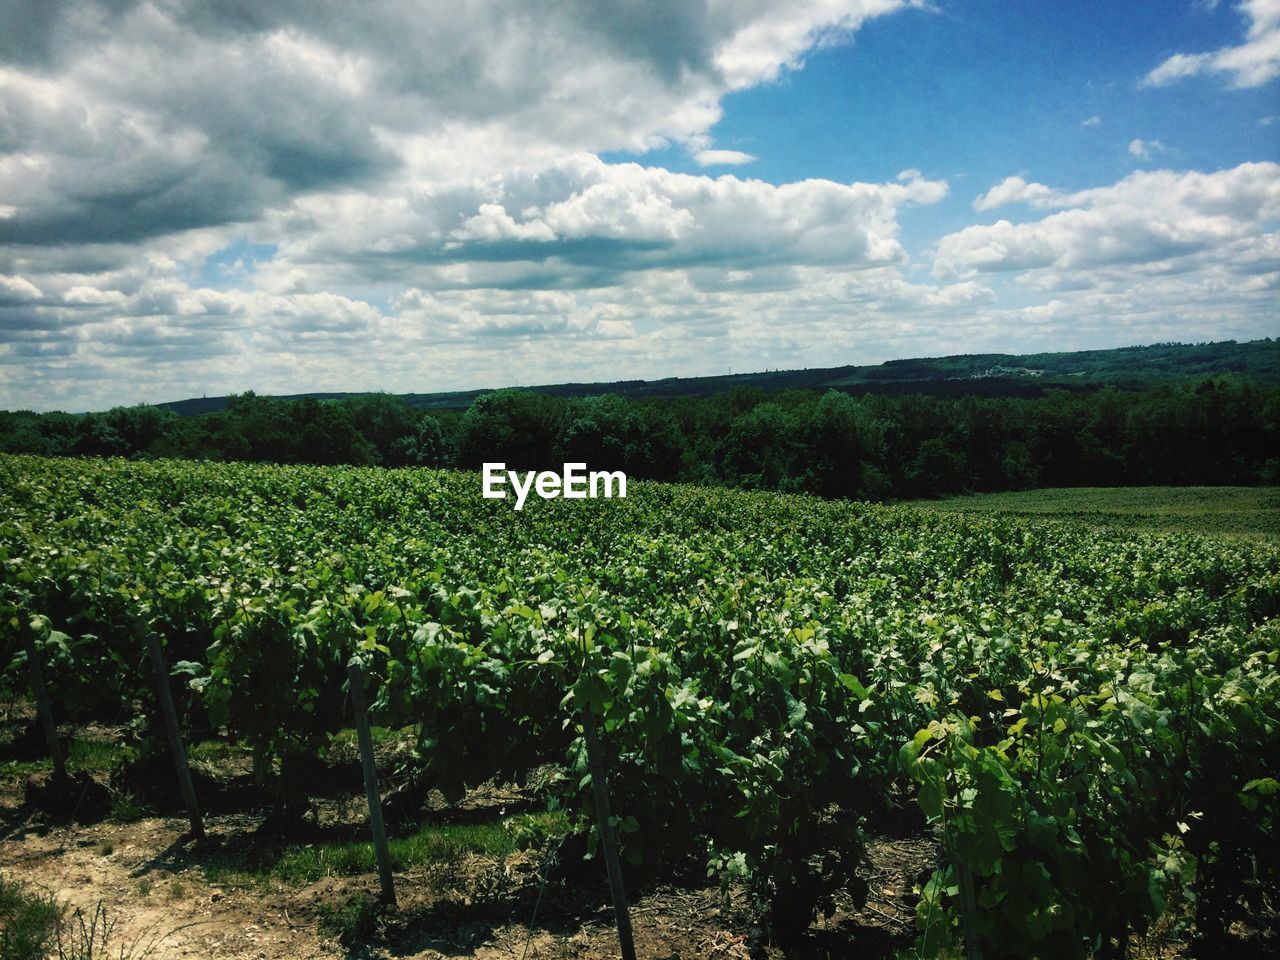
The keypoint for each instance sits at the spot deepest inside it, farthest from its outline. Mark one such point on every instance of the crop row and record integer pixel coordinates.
(1090, 718)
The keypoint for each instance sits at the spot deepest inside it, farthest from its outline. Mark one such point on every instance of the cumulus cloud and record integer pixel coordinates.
(1093, 121)
(126, 120)
(210, 196)
(386, 148)
(590, 223)
(1017, 190)
(1162, 220)
(1249, 64)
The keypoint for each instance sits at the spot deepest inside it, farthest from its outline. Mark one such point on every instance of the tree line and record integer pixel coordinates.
(1219, 430)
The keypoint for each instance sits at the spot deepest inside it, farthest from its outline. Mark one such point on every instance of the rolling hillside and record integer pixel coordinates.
(980, 374)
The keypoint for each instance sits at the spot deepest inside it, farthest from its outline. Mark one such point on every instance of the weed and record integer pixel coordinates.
(538, 830)
(353, 921)
(33, 924)
(93, 936)
(29, 922)
(126, 808)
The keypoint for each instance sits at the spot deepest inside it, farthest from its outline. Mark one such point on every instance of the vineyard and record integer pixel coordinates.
(1086, 722)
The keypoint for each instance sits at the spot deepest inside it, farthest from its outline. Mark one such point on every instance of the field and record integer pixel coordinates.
(830, 729)
(1230, 511)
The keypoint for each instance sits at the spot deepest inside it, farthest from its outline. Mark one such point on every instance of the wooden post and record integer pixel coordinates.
(356, 685)
(165, 694)
(36, 675)
(968, 910)
(598, 786)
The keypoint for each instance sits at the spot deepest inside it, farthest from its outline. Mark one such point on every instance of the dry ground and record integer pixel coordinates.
(152, 879)
(168, 896)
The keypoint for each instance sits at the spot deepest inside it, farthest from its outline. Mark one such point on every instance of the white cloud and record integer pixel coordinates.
(1016, 190)
(18, 290)
(90, 295)
(1159, 220)
(493, 223)
(1250, 64)
(386, 149)
(1093, 121)
(1144, 149)
(428, 208)
(711, 158)
(120, 123)
(588, 223)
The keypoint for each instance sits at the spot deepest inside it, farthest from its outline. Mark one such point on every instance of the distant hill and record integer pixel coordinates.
(970, 374)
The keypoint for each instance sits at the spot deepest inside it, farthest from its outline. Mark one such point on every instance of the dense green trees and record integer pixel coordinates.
(425, 447)
(513, 426)
(611, 433)
(877, 447)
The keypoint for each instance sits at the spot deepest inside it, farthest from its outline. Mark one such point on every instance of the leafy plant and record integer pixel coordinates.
(1089, 716)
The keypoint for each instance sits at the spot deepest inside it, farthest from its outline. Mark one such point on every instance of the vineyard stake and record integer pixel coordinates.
(356, 684)
(596, 764)
(36, 675)
(968, 909)
(176, 747)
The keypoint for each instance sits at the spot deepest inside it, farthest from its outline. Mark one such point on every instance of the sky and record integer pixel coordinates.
(201, 197)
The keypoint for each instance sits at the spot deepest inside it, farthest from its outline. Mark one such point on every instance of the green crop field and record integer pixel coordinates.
(1230, 511)
(1089, 718)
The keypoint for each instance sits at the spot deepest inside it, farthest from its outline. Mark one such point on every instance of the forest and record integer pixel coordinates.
(1213, 430)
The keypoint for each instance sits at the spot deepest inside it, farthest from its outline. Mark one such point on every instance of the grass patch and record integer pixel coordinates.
(96, 756)
(23, 769)
(215, 755)
(83, 755)
(29, 922)
(349, 738)
(301, 864)
(1252, 512)
(344, 745)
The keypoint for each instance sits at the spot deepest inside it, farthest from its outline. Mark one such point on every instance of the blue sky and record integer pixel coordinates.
(976, 91)
(198, 197)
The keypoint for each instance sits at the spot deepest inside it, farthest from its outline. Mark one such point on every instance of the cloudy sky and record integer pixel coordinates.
(208, 196)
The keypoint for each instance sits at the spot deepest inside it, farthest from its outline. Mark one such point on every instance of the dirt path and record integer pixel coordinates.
(150, 881)
(156, 896)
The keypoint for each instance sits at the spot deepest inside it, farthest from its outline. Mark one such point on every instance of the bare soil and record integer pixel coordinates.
(152, 881)
(148, 877)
